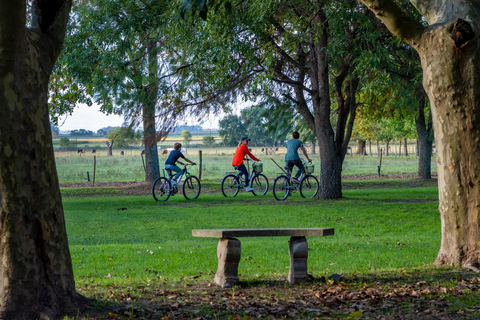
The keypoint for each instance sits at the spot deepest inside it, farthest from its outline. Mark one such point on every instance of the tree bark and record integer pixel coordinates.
(405, 147)
(449, 52)
(36, 275)
(152, 168)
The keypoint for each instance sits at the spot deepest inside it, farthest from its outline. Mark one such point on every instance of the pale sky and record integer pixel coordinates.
(90, 118)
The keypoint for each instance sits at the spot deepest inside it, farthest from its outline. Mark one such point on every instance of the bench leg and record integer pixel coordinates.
(298, 250)
(228, 253)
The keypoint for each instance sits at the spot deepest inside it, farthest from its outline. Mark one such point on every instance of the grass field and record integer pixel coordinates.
(115, 238)
(138, 260)
(72, 167)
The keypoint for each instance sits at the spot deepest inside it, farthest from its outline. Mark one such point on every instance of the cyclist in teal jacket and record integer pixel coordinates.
(292, 158)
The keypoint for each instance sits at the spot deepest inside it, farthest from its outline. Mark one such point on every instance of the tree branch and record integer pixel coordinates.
(12, 24)
(401, 25)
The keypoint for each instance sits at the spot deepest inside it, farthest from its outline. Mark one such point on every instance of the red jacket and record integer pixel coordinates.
(240, 153)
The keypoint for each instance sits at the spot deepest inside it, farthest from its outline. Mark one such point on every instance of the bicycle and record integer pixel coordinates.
(284, 185)
(232, 182)
(164, 187)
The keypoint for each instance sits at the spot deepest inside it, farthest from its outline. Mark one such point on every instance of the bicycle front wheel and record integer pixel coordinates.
(259, 184)
(230, 186)
(309, 186)
(281, 188)
(191, 188)
(161, 189)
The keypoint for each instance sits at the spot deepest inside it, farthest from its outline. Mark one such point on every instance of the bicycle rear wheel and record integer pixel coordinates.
(309, 186)
(191, 188)
(281, 188)
(259, 184)
(230, 186)
(161, 189)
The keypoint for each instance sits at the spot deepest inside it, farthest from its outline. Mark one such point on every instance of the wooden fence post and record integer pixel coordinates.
(94, 168)
(380, 164)
(199, 175)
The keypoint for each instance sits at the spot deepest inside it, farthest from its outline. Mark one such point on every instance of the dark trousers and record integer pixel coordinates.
(298, 164)
(244, 172)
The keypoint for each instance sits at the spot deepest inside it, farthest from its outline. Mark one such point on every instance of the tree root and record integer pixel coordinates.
(472, 268)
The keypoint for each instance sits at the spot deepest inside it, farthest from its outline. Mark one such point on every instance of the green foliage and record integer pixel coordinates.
(255, 121)
(124, 137)
(208, 141)
(81, 132)
(232, 129)
(65, 143)
(186, 137)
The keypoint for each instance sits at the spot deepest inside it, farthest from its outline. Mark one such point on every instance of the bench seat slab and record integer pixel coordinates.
(268, 232)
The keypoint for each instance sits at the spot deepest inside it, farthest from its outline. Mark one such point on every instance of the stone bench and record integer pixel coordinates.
(229, 250)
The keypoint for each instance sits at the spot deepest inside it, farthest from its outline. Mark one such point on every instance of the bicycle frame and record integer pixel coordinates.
(184, 173)
(167, 186)
(295, 186)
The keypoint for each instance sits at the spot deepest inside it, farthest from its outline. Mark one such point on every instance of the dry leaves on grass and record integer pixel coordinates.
(277, 300)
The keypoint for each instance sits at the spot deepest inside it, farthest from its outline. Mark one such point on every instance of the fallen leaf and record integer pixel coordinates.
(356, 314)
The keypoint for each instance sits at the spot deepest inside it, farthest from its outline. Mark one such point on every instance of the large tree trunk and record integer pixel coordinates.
(331, 164)
(152, 168)
(425, 142)
(451, 77)
(361, 144)
(36, 276)
(313, 62)
(450, 54)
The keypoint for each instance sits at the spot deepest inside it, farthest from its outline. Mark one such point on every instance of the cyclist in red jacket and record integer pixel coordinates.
(240, 153)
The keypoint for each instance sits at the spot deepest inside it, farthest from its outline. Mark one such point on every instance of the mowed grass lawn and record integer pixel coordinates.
(117, 239)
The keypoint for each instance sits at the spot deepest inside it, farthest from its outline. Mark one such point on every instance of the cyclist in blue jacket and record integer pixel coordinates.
(173, 157)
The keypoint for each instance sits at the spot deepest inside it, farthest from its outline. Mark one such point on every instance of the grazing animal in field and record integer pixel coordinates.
(94, 151)
(80, 151)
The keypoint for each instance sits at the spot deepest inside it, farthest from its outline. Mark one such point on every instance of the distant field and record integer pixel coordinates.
(75, 167)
